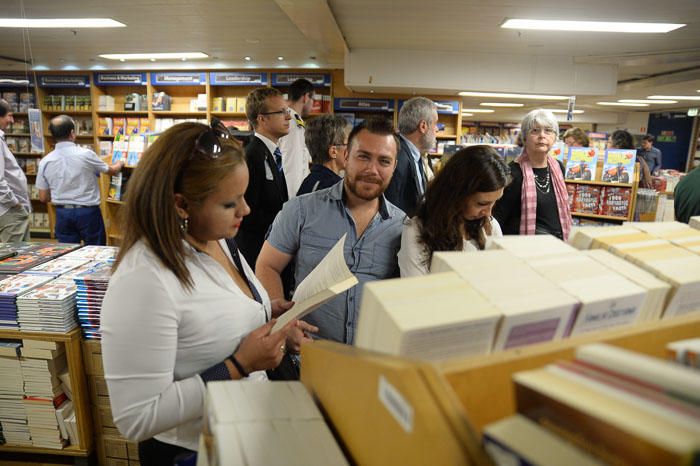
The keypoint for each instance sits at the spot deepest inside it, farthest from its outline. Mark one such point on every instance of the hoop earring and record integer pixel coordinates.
(184, 225)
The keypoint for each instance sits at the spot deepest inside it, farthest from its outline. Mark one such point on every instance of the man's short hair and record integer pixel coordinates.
(378, 125)
(323, 132)
(413, 112)
(300, 87)
(649, 138)
(61, 126)
(255, 103)
(4, 108)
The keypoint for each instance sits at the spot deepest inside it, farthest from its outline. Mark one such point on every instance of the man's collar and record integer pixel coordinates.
(64, 144)
(411, 147)
(268, 142)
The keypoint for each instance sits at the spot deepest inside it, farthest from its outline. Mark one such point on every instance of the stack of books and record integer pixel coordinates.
(91, 287)
(28, 255)
(13, 416)
(56, 267)
(42, 362)
(49, 308)
(94, 253)
(621, 407)
(10, 289)
(686, 352)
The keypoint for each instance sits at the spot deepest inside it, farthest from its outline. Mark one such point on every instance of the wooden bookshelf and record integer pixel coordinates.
(599, 217)
(81, 402)
(599, 183)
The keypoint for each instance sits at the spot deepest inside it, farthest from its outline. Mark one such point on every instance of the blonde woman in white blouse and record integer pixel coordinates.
(183, 308)
(455, 214)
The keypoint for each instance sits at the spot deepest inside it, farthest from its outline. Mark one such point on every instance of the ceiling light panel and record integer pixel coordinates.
(152, 56)
(61, 23)
(502, 95)
(590, 26)
(621, 104)
(500, 104)
(674, 97)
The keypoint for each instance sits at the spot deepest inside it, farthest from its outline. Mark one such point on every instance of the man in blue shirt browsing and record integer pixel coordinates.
(650, 154)
(68, 176)
(308, 226)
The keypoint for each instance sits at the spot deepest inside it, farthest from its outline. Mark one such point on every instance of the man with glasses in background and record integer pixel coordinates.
(267, 113)
(296, 160)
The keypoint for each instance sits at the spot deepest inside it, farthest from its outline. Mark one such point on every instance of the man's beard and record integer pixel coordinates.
(351, 182)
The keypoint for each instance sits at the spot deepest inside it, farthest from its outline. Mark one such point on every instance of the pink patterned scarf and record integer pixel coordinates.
(528, 197)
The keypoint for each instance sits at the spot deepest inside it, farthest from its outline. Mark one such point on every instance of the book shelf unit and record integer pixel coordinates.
(609, 218)
(323, 88)
(81, 404)
(227, 94)
(387, 409)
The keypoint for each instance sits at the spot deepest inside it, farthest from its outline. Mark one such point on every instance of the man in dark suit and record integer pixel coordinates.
(266, 110)
(417, 127)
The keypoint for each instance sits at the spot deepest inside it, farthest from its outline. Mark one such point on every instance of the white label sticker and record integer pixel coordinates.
(396, 404)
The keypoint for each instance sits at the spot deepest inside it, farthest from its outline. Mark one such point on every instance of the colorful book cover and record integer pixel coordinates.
(144, 125)
(132, 126)
(119, 125)
(57, 266)
(581, 163)
(615, 201)
(21, 284)
(105, 127)
(587, 199)
(559, 151)
(618, 166)
(115, 187)
(52, 291)
(121, 148)
(137, 144)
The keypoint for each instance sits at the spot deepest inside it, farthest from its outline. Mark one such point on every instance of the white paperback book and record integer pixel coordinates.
(327, 280)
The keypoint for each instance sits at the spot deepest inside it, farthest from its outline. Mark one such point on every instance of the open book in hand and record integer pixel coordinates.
(327, 280)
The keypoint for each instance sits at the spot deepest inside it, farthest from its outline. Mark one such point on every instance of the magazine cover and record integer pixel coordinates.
(615, 201)
(618, 166)
(581, 163)
(559, 151)
(587, 199)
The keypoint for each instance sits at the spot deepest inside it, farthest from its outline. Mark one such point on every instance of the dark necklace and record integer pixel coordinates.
(543, 183)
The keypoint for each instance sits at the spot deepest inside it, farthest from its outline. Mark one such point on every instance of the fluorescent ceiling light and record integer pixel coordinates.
(512, 96)
(590, 26)
(154, 56)
(562, 110)
(647, 101)
(674, 97)
(622, 104)
(60, 23)
(477, 110)
(500, 104)
(467, 114)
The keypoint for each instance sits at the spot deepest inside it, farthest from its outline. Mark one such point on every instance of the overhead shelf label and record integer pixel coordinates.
(121, 79)
(64, 80)
(343, 104)
(286, 79)
(16, 80)
(238, 78)
(179, 78)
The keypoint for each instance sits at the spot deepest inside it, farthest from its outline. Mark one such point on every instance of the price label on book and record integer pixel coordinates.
(286, 79)
(179, 78)
(121, 79)
(64, 80)
(237, 78)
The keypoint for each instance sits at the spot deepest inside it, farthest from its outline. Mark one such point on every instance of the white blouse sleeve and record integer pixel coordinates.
(412, 253)
(139, 344)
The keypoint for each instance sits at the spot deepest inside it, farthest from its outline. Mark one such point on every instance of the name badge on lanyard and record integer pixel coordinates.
(268, 172)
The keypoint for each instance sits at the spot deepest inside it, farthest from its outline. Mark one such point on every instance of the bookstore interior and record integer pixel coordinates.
(530, 350)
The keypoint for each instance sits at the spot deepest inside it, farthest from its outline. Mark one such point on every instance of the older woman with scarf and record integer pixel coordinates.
(536, 201)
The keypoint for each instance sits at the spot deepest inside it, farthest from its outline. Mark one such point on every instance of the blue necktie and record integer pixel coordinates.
(278, 159)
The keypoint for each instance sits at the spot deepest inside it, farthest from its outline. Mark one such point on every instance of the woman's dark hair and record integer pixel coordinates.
(622, 139)
(475, 169)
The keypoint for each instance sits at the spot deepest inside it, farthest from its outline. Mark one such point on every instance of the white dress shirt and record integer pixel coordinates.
(413, 253)
(295, 155)
(13, 181)
(157, 337)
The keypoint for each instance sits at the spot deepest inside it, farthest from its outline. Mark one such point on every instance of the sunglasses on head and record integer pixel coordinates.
(208, 143)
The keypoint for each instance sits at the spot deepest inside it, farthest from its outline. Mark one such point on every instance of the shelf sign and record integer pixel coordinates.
(286, 79)
(16, 80)
(64, 80)
(343, 104)
(121, 79)
(444, 107)
(238, 78)
(693, 111)
(666, 136)
(179, 78)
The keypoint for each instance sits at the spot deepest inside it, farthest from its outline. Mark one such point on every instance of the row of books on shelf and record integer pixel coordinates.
(632, 275)
(19, 144)
(108, 126)
(19, 125)
(607, 406)
(133, 102)
(162, 124)
(36, 407)
(130, 149)
(39, 220)
(582, 163)
(67, 103)
(611, 201)
(19, 101)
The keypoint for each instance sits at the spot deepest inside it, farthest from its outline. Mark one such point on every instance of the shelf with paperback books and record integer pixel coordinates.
(70, 344)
